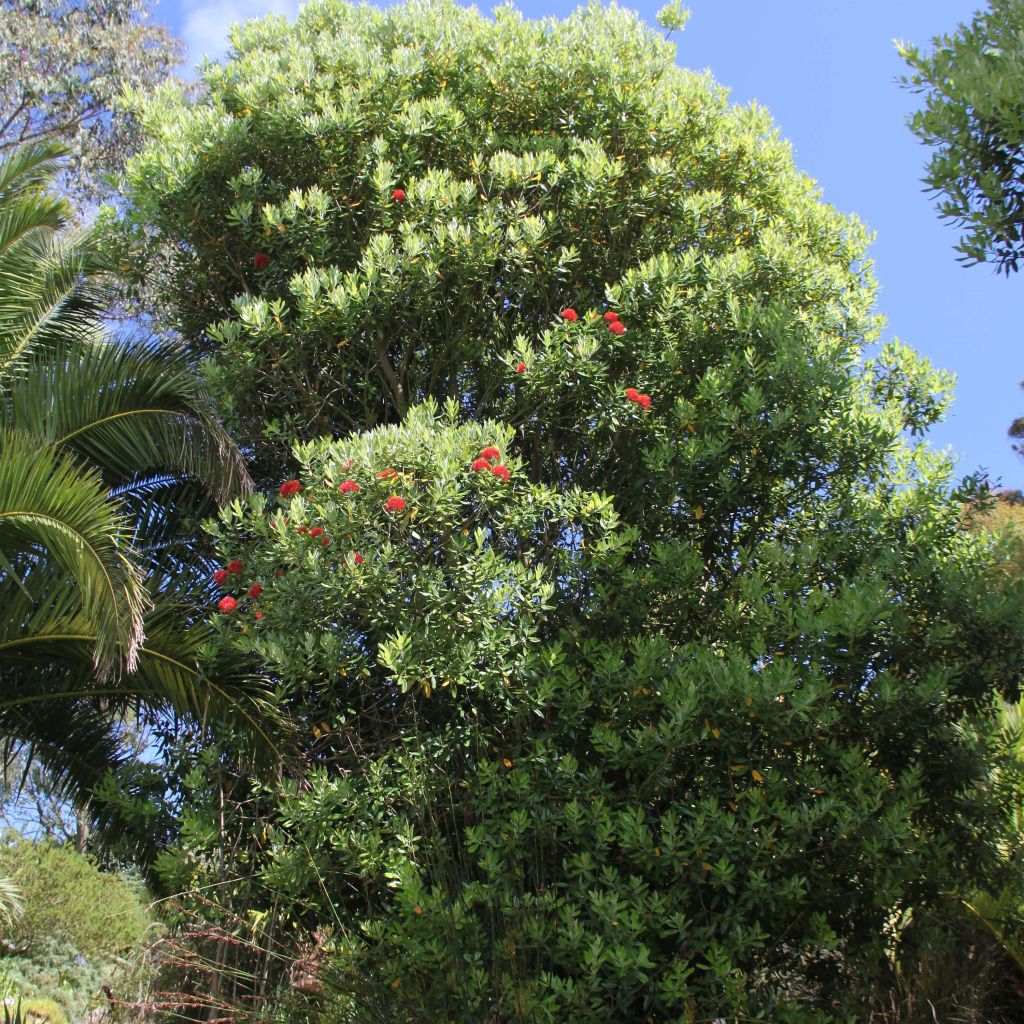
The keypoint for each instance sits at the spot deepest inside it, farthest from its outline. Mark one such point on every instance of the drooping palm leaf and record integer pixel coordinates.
(45, 649)
(165, 511)
(53, 508)
(10, 902)
(46, 303)
(128, 409)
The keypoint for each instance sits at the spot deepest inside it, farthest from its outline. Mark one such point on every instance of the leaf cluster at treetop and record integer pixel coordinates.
(674, 718)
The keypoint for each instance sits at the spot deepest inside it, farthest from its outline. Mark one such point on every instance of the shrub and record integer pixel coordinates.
(67, 899)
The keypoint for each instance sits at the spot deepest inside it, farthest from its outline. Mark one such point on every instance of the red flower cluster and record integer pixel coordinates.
(394, 504)
(261, 261)
(486, 459)
(520, 367)
(398, 195)
(259, 615)
(227, 605)
(570, 315)
(617, 327)
(357, 559)
(220, 576)
(325, 541)
(644, 401)
(349, 487)
(234, 567)
(388, 474)
(289, 488)
(255, 590)
(611, 316)
(303, 529)
(316, 531)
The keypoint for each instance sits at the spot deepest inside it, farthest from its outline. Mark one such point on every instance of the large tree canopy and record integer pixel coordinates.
(651, 693)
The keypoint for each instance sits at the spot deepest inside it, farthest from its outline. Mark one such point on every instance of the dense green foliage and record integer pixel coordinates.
(63, 67)
(973, 117)
(77, 926)
(680, 720)
(67, 898)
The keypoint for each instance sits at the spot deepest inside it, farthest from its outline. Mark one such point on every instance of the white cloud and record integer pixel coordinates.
(205, 25)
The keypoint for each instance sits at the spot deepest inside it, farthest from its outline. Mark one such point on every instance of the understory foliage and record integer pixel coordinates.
(640, 659)
(76, 927)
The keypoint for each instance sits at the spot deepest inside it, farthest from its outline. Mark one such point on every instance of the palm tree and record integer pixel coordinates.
(110, 450)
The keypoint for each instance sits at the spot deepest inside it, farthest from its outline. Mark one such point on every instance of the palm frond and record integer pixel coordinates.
(46, 300)
(10, 902)
(166, 512)
(45, 657)
(53, 508)
(129, 410)
(30, 167)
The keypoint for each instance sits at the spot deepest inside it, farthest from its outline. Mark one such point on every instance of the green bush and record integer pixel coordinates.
(66, 898)
(682, 720)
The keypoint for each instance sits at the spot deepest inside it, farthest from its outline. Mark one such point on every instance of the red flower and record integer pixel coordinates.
(357, 559)
(234, 566)
(611, 316)
(490, 454)
(261, 261)
(501, 471)
(303, 529)
(289, 487)
(325, 541)
(632, 394)
(569, 315)
(388, 474)
(227, 605)
(220, 576)
(479, 464)
(316, 531)
(259, 615)
(255, 590)
(349, 487)
(645, 401)
(617, 327)
(394, 504)
(398, 195)
(520, 367)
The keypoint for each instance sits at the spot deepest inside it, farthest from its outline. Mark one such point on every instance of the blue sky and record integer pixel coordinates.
(826, 71)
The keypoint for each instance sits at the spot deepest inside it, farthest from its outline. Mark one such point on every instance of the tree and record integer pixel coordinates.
(64, 65)
(973, 83)
(653, 691)
(104, 447)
